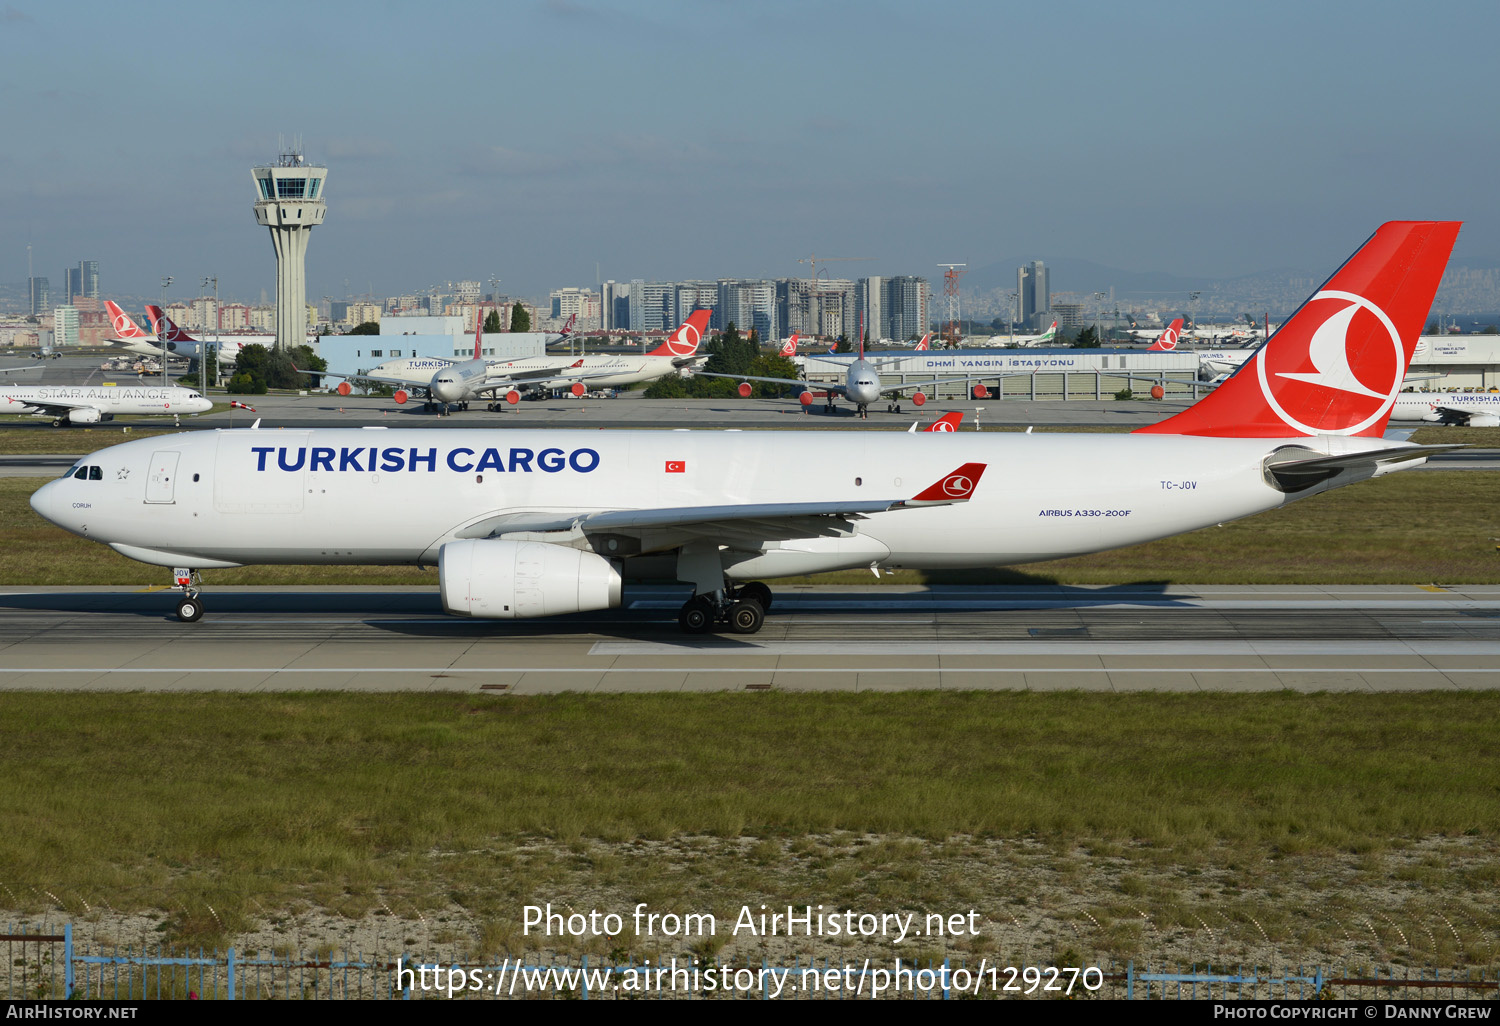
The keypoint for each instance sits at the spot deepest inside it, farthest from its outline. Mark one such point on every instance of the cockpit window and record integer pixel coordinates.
(96, 473)
(86, 473)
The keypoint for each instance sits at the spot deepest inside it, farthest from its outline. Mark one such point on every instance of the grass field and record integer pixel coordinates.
(1408, 528)
(350, 803)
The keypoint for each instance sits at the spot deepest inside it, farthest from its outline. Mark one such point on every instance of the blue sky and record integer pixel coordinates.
(688, 138)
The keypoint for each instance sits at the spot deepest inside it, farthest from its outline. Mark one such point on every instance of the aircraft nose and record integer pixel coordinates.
(43, 499)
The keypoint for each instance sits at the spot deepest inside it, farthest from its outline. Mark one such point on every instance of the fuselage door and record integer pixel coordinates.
(161, 481)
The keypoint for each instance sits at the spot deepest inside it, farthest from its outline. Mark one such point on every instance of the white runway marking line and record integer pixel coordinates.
(469, 670)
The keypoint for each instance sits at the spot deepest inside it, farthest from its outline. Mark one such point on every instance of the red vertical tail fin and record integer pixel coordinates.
(684, 341)
(1337, 364)
(478, 331)
(1168, 339)
(121, 322)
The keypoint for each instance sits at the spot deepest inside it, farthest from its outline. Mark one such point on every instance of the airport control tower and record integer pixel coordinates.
(289, 201)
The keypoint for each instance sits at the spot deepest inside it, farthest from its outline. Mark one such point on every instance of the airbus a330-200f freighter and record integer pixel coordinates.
(524, 523)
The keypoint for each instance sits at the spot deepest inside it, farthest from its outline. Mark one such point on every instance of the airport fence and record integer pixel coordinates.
(41, 965)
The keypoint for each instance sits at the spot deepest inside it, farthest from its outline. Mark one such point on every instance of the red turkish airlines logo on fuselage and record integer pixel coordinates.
(1342, 369)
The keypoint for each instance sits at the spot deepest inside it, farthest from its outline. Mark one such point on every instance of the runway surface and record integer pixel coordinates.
(1138, 637)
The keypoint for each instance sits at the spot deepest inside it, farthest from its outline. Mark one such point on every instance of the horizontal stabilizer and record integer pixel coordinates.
(1290, 472)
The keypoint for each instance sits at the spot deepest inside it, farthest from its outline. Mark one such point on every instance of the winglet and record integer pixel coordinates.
(955, 487)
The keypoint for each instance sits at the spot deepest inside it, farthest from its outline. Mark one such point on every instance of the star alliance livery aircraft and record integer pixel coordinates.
(524, 523)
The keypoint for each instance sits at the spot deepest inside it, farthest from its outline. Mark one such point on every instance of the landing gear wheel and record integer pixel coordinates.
(757, 591)
(697, 616)
(190, 610)
(59, 422)
(746, 616)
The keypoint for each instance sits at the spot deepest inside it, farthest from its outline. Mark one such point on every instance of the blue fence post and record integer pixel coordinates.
(1130, 980)
(68, 960)
(946, 996)
(231, 974)
(585, 974)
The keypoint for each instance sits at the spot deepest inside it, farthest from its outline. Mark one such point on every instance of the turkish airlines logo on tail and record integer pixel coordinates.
(926, 342)
(684, 341)
(166, 328)
(1341, 365)
(1168, 340)
(123, 325)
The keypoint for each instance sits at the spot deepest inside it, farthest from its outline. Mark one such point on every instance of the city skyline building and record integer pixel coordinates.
(1035, 295)
(290, 203)
(40, 294)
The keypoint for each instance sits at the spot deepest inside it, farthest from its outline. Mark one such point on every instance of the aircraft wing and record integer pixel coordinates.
(911, 385)
(1460, 414)
(746, 525)
(541, 379)
(51, 407)
(817, 386)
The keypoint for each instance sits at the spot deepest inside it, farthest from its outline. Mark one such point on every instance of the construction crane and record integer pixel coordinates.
(829, 260)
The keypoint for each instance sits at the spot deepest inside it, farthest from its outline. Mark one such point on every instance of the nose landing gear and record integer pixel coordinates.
(189, 608)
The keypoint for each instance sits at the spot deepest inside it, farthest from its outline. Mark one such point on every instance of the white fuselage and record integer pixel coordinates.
(604, 370)
(206, 499)
(1426, 406)
(110, 400)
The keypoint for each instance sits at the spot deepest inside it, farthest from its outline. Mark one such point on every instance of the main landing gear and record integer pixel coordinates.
(742, 609)
(189, 607)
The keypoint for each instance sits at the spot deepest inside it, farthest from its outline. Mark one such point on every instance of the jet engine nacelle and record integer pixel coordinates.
(498, 579)
(87, 415)
(1484, 420)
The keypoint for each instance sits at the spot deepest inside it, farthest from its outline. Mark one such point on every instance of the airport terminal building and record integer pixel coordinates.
(441, 337)
(1439, 363)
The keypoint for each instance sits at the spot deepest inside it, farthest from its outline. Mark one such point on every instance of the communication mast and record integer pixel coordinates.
(950, 290)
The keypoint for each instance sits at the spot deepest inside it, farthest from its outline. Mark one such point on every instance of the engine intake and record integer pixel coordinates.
(84, 415)
(496, 579)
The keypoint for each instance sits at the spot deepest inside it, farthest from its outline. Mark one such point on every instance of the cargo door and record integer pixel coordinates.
(162, 479)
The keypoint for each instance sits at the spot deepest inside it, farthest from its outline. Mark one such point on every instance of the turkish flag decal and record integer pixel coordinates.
(676, 467)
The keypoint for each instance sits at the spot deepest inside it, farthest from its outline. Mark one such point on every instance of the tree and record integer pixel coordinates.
(520, 320)
(492, 323)
(1490, 329)
(844, 345)
(668, 386)
(366, 328)
(1088, 338)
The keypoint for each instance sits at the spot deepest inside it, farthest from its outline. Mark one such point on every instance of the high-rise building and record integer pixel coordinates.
(65, 326)
(652, 305)
(870, 301)
(693, 295)
(576, 302)
(73, 281)
(614, 305)
(41, 296)
(89, 275)
(747, 304)
(1036, 296)
(289, 201)
(908, 300)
